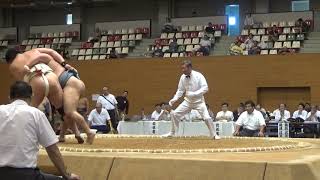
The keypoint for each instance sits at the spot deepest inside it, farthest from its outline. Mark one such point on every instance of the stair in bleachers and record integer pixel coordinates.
(221, 48)
(312, 45)
(141, 49)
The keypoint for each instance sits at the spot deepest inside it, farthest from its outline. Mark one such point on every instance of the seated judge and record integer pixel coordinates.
(224, 114)
(156, 113)
(251, 121)
(99, 119)
(313, 115)
(281, 114)
(300, 113)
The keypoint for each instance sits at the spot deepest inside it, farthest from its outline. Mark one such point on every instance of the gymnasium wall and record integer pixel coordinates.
(231, 79)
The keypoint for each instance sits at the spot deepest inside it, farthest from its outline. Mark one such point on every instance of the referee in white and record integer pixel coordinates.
(193, 86)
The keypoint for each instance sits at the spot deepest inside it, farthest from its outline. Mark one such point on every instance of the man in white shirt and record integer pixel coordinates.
(281, 114)
(22, 129)
(251, 121)
(109, 103)
(193, 86)
(300, 113)
(224, 114)
(99, 119)
(156, 113)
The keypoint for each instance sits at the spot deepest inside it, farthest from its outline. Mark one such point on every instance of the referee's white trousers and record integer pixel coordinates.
(184, 108)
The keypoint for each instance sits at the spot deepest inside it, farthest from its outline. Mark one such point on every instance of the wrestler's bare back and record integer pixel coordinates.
(31, 58)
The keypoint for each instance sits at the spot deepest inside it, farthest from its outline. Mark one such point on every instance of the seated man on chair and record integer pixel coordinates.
(98, 118)
(251, 121)
(281, 114)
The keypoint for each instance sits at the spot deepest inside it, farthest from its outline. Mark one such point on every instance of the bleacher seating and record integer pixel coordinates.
(123, 40)
(52, 40)
(188, 39)
(290, 36)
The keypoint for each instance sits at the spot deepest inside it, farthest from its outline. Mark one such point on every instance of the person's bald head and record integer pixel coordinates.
(98, 107)
(105, 91)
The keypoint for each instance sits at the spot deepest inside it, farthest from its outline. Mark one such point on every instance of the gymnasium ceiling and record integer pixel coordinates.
(41, 3)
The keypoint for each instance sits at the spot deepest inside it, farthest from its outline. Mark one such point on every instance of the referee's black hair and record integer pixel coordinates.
(20, 89)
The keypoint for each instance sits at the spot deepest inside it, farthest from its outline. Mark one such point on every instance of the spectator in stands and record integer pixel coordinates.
(156, 113)
(238, 112)
(307, 107)
(168, 27)
(123, 105)
(22, 129)
(249, 42)
(236, 49)
(274, 33)
(64, 51)
(173, 46)
(314, 114)
(284, 51)
(224, 114)
(99, 119)
(209, 29)
(205, 45)
(302, 25)
(263, 45)
(300, 113)
(281, 114)
(113, 54)
(157, 51)
(251, 121)
(248, 22)
(255, 49)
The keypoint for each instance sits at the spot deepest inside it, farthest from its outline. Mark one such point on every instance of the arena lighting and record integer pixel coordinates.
(232, 20)
(69, 3)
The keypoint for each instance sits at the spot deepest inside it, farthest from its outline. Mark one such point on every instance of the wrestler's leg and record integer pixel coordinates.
(38, 89)
(71, 96)
(55, 91)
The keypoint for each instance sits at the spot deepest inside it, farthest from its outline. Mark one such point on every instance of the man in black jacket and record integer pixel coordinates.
(123, 105)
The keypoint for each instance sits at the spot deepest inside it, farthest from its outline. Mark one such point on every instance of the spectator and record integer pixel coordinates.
(238, 112)
(249, 42)
(205, 45)
(113, 53)
(300, 113)
(109, 103)
(302, 25)
(157, 51)
(98, 118)
(22, 129)
(173, 46)
(284, 51)
(156, 113)
(248, 22)
(251, 121)
(255, 49)
(281, 114)
(307, 107)
(262, 110)
(236, 49)
(273, 33)
(313, 115)
(209, 29)
(166, 112)
(263, 45)
(168, 27)
(123, 105)
(224, 114)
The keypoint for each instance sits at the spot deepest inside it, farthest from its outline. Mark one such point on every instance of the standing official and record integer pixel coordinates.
(193, 86)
